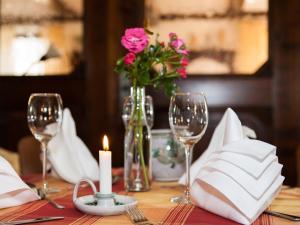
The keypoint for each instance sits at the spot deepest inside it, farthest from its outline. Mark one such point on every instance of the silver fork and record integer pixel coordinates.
(137, 217)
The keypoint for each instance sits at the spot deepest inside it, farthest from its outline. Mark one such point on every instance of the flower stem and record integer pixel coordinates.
(170, 75)
(139, 132)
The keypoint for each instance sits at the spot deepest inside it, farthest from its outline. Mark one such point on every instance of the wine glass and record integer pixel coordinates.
(44, 117)
(188, 118)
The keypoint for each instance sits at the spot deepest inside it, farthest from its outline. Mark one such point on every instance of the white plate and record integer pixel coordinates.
(81, 204)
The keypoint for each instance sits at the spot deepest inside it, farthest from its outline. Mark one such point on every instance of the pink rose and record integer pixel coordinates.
(129, 58)
(172, 35)
(179, 46)
(184, 62)
(182, 72)
(135, 40)
(182, 51)
(177, 43)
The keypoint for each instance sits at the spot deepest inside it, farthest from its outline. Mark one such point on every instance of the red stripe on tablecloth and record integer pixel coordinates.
(71, 214)
(264, 219)
(86, 219)
(178, 214)
(23, 210)
(202, 217)
(190, 215)
(171, 213)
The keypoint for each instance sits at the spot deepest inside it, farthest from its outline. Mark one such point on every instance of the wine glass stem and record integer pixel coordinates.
(188, 151)
(44, 161)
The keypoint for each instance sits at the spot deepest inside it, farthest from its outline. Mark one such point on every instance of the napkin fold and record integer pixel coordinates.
(228, 130)
(13, 191)
(236, 177)
(69, 156)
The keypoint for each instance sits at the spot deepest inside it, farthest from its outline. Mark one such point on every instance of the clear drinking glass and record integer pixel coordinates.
(188, 118)
(44, 117)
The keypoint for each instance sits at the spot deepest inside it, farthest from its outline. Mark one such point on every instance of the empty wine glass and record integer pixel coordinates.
(44, 117)
(188, 118)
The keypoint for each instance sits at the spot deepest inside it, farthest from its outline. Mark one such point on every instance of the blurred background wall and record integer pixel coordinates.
(244, 54)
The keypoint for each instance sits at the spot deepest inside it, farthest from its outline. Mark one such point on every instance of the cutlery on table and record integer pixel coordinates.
(283, 215)
(43, 195)
(137, 217)
(36, 220)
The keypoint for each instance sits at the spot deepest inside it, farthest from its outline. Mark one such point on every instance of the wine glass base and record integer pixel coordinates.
(181, 200)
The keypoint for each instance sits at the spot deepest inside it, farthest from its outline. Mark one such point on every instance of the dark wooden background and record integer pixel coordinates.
(268, 101)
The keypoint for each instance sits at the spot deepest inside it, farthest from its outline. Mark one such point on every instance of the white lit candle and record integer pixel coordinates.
(105, 168)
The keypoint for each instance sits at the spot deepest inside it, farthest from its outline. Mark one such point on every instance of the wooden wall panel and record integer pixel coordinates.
(285, 58)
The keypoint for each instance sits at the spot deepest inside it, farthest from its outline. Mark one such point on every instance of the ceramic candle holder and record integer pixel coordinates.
(105, 200)
(101, 204)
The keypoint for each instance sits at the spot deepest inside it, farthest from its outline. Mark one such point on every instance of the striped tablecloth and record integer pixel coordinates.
(155, 204)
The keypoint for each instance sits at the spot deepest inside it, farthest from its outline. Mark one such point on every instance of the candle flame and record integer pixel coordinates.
(105, 143)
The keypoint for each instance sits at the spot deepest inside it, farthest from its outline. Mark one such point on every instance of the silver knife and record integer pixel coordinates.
(283, 215)
(36, 220)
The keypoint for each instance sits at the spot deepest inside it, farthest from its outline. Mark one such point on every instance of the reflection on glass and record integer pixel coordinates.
(128, 107)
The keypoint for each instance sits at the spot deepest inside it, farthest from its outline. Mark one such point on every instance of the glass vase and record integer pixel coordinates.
(137, 144)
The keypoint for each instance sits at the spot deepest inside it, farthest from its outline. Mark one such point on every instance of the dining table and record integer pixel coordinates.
(154, 204)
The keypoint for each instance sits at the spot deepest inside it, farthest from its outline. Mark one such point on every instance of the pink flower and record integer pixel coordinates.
(177, 43)
(184, 62)
(135, 40)
(182, 72)
(129, 58)
(182, 51)
(172, 35)
(179, 46)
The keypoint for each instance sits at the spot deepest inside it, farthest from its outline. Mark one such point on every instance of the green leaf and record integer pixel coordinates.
(143, 78)
(120, 62)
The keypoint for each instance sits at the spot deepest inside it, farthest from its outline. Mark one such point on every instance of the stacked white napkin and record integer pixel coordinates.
(69, 156)
(13, 191)
(236, 177)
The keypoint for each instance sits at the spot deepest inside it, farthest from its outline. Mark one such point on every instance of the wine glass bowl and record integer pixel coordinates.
(188, 118)
(44, 117)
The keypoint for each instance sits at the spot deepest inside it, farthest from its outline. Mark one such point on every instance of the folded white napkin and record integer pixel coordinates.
(228, 130)
(13, 191)
(236, 177)
(69, 156)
